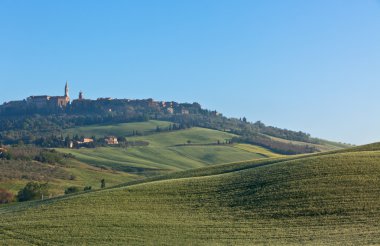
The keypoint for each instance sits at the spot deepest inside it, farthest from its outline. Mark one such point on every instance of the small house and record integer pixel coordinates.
(88, 140)
(170, 110)
(111, 140)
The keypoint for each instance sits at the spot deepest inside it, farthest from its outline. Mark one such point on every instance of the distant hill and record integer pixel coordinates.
(324, 198)
(34, 123)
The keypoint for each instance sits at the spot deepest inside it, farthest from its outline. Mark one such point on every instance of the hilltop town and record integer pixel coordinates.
(44, 104)
(42, 120)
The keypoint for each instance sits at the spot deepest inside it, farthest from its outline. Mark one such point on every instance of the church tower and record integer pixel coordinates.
(66, 89)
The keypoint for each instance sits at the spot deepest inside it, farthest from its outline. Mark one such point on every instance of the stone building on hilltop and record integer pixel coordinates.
(50, 101)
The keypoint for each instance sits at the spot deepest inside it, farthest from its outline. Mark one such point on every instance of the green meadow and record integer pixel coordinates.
(326, 198)
(167, 152)
(123, 129)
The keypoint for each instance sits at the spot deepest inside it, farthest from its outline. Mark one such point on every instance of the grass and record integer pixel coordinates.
(196, 135)
(151, 160)
(120, 165)
(169, 151)
(324, 145)
(257, 149)
(74, 173)
(123, 129)
(327, 198)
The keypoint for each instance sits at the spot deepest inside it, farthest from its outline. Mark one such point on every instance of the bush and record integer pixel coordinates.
(32, 191)
(87, 188)
(49, 156)
(6, 196)
(72, 189)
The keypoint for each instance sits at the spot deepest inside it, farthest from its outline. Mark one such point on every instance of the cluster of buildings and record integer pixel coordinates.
(54, 104)
(110, 140)
(52, 101)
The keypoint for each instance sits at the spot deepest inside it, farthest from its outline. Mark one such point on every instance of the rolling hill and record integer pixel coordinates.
(325, 198)
(122, 129)
(167, 152)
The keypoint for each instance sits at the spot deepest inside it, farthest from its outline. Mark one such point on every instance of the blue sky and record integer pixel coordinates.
(296, 64)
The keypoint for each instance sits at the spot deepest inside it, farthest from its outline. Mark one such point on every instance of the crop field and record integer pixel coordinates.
(329, 198)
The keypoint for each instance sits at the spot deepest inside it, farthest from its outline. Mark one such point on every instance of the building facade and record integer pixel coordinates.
(50, 101)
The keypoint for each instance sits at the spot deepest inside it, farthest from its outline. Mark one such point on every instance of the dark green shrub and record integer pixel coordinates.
(72, 189)
(87, 188)
(32, 191)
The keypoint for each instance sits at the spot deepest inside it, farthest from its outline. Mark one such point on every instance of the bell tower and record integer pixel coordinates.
(66, 89)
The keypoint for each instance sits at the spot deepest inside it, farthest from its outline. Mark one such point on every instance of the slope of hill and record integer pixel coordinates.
(326, 198)
(122, 129)
(14, 174)
(170, 151)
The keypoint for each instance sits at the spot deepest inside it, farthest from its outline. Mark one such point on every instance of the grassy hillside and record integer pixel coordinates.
(324, 145)
(15, 174)
(196, 135)
(169, 151)
(328, 198)
(166, 153)
(124, 129)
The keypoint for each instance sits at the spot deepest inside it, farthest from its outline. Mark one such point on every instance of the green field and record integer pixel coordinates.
(123, 129)
(196, 135)
(327, 198)
(169, 151)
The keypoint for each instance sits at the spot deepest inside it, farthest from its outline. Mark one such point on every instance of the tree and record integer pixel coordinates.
(121, 139)
(32, 191)
(6, 196)
(102, 183)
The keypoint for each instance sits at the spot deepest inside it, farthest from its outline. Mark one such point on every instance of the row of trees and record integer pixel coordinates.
(29, 153)
(38, 191)
(276, 146)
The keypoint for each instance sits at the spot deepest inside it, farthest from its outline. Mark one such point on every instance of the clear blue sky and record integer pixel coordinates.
(303, 65)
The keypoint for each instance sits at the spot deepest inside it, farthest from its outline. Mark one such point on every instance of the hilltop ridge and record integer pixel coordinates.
(47, 116)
